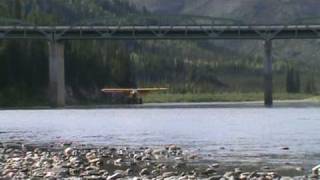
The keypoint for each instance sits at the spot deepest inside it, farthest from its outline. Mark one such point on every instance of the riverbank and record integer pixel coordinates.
(168, 100)
(223, 97)
(66, 160)
(303, 103)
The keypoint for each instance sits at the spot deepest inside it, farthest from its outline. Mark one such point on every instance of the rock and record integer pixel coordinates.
(209, 171)
(74, 172)
(215, 177)
(146, 158)
(158, 152)
(118, 162)
(94, 161)
(73, 160)
(88, 168)
(228, 174)
(244, 176)
(115, 176)
(179, 158)
(61, 172)
(136, 178)
(148, 151)
(286, 178)
(91, 155)
(237, 170)
(315, 170)
(92, 177)
(105, 175)
(313, 176)
(173, 147)
(300, 169)
(144, 172)
(183, 178)
(129, 171)
(168, 174)
(120, 172)
(49, 175)
(68, 151)
(138, 157)
(122, 152)
(171, 178)
(155, 172)
(215, 165)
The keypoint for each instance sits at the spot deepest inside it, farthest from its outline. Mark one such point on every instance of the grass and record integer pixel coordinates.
(222, 97)
(315, 98)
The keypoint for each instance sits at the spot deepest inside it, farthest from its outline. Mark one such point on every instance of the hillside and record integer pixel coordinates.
(249, 11)
(252, 12)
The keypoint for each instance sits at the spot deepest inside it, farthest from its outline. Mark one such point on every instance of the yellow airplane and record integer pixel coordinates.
(134, 95)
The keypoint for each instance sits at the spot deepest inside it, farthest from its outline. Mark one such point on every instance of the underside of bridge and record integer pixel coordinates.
(57, 93)
(187, 28)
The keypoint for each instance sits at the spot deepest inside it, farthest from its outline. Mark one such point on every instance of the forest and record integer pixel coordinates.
(191, 67)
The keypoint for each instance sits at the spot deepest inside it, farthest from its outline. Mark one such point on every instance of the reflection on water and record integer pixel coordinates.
(246, 134)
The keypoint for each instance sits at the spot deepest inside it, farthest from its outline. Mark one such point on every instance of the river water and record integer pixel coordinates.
(223, 134)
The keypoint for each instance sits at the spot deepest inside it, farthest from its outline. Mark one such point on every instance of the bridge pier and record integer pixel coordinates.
(268, 87)
(56, 74)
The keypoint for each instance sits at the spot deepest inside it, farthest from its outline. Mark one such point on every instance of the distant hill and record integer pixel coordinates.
(249, 11)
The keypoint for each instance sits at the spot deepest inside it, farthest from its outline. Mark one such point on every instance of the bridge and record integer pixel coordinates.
(56, 35)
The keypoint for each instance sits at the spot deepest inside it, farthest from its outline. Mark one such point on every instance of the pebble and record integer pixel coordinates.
(144, 172)
(210, 171)
(315, 170)
(168, 174)
(115, 176)
(215, 165)
(68, 151)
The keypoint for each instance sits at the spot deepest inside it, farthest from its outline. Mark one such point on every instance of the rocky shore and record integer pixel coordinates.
(67, 161)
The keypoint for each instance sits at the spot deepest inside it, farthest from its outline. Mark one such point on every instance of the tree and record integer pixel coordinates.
(311, 84)
(293, 80)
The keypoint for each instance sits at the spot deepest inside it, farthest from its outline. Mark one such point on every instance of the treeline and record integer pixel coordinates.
(184, 66)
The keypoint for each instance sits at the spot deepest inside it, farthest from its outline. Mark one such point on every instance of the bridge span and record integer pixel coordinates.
(56, 35)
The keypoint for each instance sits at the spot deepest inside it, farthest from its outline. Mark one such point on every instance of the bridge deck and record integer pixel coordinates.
(259, 32)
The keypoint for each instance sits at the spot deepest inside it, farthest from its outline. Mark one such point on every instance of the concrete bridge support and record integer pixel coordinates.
(56, 74)
(268, 87)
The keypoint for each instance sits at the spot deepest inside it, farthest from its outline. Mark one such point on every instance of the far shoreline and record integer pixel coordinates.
(304, 103)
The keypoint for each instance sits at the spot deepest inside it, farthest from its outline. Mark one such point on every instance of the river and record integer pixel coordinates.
(224, 134)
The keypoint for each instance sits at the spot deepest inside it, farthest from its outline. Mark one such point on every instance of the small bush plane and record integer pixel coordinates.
(134, 95)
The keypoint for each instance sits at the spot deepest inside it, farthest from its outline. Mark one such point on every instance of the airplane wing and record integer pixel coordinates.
(140, 91)
(117, 91)
(144, 91)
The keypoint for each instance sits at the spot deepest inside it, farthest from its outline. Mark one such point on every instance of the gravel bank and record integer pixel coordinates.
(67, 161)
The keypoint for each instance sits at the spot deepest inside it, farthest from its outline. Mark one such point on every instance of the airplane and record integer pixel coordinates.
(134, 94)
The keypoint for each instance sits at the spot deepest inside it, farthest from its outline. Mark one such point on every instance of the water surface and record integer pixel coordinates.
(224, 134)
